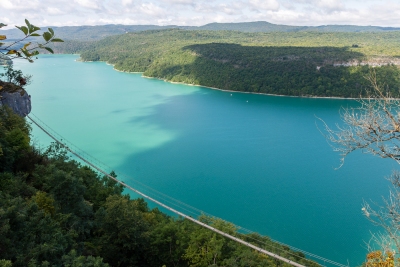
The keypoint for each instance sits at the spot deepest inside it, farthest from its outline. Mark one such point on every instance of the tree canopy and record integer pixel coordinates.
(285, 63)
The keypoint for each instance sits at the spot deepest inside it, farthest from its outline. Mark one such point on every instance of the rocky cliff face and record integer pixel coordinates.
(18, 100)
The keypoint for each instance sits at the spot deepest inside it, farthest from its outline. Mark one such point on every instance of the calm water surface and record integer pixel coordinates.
(257, 161)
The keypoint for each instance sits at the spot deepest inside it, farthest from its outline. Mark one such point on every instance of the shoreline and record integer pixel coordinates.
(242, 92)
(224, 90)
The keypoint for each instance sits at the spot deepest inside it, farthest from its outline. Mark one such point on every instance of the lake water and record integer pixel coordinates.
(257, 161)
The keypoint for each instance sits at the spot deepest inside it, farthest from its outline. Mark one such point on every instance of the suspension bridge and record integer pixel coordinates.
(95, 164)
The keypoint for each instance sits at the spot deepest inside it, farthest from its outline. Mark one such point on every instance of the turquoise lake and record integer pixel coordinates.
(257, 161)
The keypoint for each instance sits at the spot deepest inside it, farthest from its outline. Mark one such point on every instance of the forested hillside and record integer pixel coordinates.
(263, 26)
(56, 212)
(90, 33)
(292, 63)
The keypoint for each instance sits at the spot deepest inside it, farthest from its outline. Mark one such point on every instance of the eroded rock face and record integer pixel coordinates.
(19, 101)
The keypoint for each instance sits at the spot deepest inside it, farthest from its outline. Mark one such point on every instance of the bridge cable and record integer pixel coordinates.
(84, 159)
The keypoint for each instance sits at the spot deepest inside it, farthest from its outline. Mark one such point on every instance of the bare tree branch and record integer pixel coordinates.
(373, 127)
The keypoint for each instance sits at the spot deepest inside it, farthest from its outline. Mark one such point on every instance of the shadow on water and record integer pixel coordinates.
(260, 162)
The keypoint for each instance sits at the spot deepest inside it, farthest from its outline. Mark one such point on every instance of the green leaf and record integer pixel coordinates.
(11, 52)
(57, 40)
(2, 25)
(46, 36)
(26, 53)
(23, 29)
(35, 28)
(27, 23)
(51, 31)
(3, 37)
(26, 45)
(35, 34)
(49, 49)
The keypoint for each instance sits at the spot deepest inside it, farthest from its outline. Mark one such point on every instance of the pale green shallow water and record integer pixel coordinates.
(258, 161)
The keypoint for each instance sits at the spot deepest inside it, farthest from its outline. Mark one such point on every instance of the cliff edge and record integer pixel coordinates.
(16, 98)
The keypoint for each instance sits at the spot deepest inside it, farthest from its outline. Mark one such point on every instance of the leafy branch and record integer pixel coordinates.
(29, 49)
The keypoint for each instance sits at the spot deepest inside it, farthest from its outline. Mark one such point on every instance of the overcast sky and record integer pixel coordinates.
(200, 12)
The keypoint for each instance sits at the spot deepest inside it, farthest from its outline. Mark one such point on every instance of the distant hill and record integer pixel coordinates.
(350, 28)
(257, 26)
(258, 57)
(91, 33)
(263, 26)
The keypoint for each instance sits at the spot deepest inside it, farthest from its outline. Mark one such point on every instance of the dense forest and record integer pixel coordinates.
(97, 32)
(257, 57)
(284, 63)
(56, 212)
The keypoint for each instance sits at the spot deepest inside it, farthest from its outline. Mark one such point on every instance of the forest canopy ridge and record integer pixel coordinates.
(97, 32)
(325, 64)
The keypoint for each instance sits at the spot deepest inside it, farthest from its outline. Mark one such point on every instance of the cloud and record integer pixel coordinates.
(234, 8)
(6, 4)
(382, 14)
(54, 11)
(126, 2)
(180, 2)
(89, 4)
(330, 6)
(200, 12)
(264, 5)
(206, 8)
(19, 5)
(319, 6)
(152, 10)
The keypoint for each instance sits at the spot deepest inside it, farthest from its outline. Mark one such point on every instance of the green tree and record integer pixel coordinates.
(45, 202)
(14, 139)
(123, 236)
(207, 248)
(5, 263)
(74, 260)
(15, 76)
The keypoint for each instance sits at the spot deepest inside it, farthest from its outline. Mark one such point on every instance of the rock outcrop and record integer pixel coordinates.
(17, 99)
